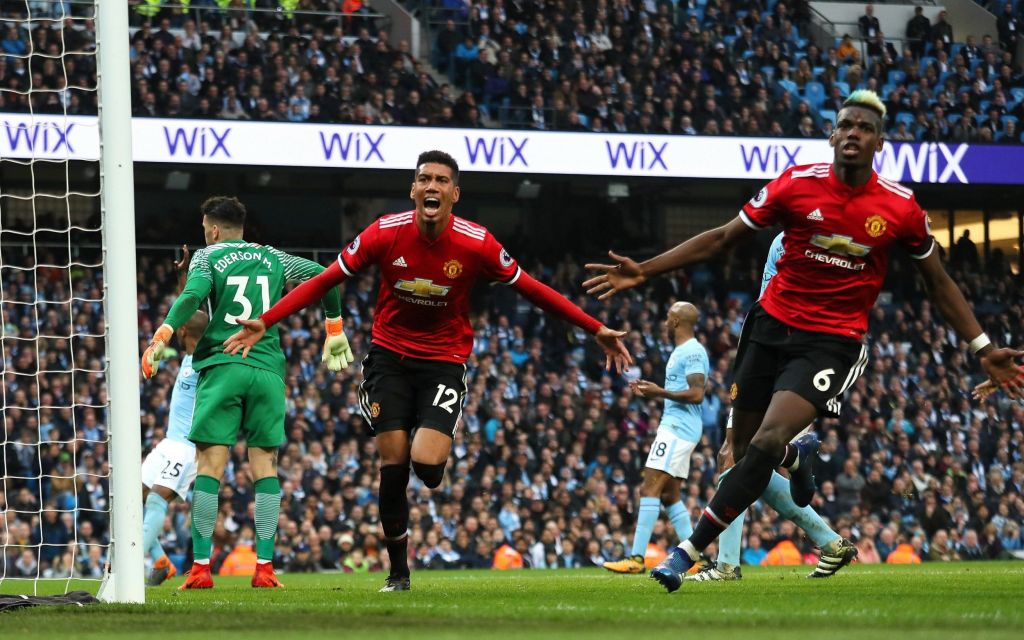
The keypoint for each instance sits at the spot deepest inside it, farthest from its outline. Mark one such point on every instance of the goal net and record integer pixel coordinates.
(57, 351)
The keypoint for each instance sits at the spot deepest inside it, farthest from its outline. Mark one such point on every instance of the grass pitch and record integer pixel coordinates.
(958, 600)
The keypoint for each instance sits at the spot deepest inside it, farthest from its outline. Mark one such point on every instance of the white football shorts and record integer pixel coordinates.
(671, 454)
(171, 464)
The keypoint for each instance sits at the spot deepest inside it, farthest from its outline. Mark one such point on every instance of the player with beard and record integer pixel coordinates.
(414, 376)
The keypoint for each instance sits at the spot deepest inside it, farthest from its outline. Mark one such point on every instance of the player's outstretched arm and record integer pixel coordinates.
(546, 298)
(196, 290)
(302, 296)
(627, 273)
(998, 362)
(181, 266)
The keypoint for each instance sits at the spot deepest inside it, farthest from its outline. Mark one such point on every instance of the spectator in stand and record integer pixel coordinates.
(869, 26)
(919, 31)
(1008, 26)
(942, 31)
(848, 51)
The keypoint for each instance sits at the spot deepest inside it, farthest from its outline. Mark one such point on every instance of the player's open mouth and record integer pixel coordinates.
(851, 148)
(431, 204)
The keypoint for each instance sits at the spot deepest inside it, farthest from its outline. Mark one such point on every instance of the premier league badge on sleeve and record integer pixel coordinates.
(506, 260)
(352, 248)
(759, 199)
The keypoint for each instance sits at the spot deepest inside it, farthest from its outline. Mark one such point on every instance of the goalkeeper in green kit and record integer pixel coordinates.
(242, 280)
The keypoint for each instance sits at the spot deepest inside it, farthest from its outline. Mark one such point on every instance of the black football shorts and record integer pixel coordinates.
(772, 356)
(399, 392)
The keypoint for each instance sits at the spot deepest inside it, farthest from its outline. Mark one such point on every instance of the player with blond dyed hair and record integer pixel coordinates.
(804, 342)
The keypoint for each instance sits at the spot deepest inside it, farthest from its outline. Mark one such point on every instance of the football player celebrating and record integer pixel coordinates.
(805, 347)
(414, 376)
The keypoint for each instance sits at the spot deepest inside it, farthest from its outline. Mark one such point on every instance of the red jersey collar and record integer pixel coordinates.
(842, 187)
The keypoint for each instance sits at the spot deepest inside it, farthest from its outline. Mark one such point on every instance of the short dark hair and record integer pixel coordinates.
(439, 157)
(225, 210)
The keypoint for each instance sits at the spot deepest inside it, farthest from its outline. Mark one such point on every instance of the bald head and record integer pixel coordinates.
(683, 313)
(190, 332)
(196, 325)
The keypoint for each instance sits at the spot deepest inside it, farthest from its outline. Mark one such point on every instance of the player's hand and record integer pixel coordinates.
(181, 266)
(155, 351)
(337, 353)
(246, 338)
(612, 278)
(615, 354)
(1003, 371)
(646, 389)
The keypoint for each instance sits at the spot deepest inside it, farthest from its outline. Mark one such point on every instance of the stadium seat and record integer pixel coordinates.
(983, 106)
(887, 90)
(953, 118)
(789, 86)
(925, 62)
(1006, 119)
(906, 118)
(584, 120)
(814, 92)
(844, 89)
(897, 77)
(828, 114)
(1017, 93)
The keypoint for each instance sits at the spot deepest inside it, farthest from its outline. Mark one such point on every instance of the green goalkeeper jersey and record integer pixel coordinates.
(242, 280)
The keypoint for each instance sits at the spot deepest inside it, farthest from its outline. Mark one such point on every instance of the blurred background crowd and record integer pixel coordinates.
(708, 67)
(548, 455)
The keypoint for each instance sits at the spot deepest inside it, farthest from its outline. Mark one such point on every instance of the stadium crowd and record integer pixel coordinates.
(707, 67)
(547, 459)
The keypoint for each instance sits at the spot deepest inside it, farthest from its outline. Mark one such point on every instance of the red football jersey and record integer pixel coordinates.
(423, 304)
(837, 242)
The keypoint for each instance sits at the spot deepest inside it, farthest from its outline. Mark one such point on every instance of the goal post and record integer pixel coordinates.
(125, 581)
(70, 444)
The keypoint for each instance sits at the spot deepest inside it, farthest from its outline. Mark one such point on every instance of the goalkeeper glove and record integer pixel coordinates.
(155, 351)
(337, 353)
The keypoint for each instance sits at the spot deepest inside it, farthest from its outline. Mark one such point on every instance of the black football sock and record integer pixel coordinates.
(394, 515)
(737, 491)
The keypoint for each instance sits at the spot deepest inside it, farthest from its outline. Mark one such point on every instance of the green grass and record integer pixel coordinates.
(977, 600)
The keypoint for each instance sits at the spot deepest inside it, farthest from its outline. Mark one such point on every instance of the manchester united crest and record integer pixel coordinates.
(734, 391)
(875, 226)
(374, 410)
(452, 269)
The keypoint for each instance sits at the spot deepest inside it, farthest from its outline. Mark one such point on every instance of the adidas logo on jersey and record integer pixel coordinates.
(400, 262)
(815, 215)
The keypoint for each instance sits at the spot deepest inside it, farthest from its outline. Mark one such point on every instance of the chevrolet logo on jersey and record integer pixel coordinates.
(422, 288)
(841, 245)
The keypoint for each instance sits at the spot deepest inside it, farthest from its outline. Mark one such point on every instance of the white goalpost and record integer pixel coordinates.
(125, 580)
(70, 447)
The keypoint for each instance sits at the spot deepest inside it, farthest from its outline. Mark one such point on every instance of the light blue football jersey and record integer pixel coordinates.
(681, 417)
(771, 264)
(183, 402)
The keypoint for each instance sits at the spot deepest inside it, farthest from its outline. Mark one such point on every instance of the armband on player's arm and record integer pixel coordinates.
(546, 298)
(305, 294)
